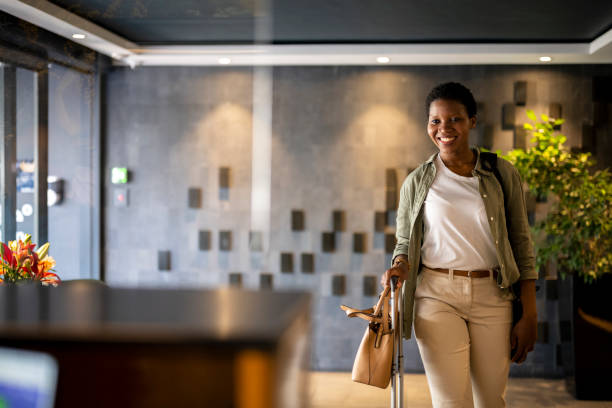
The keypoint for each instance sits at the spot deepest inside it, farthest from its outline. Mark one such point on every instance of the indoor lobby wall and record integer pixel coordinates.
(342, 139)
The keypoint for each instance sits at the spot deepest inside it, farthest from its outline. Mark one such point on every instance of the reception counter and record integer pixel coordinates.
(120, 347)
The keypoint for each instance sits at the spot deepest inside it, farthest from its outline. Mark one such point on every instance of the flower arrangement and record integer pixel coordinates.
(19, 262)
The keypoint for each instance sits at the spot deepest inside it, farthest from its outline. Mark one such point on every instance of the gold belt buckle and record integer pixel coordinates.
(469, 274)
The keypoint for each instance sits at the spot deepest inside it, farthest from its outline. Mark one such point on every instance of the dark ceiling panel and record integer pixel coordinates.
(170, 21)
(347, 21)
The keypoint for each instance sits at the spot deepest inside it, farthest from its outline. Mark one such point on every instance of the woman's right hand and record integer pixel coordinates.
(400, 269)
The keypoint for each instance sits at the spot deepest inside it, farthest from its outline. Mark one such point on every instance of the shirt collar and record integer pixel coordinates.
(477, 168)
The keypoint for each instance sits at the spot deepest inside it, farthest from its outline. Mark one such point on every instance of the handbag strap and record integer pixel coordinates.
(386, 328)
(374, 314)
(367, 314)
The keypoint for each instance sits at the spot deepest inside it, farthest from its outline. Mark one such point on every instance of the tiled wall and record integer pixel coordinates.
(342, 141)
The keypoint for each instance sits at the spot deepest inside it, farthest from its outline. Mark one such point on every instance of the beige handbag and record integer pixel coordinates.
(372, 364)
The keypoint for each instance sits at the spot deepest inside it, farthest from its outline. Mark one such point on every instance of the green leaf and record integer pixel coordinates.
(527, 126)
(544, 117)
(531, 115)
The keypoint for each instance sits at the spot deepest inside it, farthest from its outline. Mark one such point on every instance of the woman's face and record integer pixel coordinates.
(449, 126)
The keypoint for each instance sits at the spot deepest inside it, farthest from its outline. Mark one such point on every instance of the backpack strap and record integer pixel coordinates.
(488, 161)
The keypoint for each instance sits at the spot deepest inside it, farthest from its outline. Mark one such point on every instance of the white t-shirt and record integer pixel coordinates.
(457, 233)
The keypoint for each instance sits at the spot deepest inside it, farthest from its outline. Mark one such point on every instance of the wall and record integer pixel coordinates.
(335, 134)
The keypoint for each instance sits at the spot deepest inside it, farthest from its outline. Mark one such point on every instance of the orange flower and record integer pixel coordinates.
(46, 264)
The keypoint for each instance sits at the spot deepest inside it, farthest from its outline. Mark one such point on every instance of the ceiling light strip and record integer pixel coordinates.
(341, 54)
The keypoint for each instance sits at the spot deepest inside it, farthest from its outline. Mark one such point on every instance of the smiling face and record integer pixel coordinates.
(449, 127)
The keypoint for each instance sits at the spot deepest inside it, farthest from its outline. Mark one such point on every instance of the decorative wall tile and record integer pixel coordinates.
(480, 110)
(235, 279)
(391, 195)
(328, 242)
(339, 218)
(520, 137)
(339, 285)
(286, 262)
(600, 113)
(539, 283)
(266, 281)
(520, 93)
(204, 240)
(477, 136)
(308, 265)
(225, 240)
(482, 135)
(256, 241)
(559, 355)
(359, 242)
(391, 199)
(370, 285)
(588, 138)
(542, 332)
(555, 111)
(390, 243)
(194, 197)
(380, 220)
(163, 261)
(602, 89)
(391, 179)
(565, 330)
(224, 177)
(508, 116)
(391, 217)
(297, 220)
(552, 289)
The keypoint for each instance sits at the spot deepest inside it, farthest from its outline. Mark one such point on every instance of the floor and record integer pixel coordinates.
(334, 390)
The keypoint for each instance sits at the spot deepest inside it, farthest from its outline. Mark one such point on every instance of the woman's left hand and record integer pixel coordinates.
(523, 337)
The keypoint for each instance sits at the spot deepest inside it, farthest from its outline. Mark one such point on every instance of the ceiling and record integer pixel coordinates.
(171, 22)
(330, 32)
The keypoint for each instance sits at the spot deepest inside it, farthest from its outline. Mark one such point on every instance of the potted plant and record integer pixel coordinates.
(576, 234)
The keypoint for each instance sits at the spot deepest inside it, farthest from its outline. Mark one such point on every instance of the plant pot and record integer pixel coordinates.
(585, 315)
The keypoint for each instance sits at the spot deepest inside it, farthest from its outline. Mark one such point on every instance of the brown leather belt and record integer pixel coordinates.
(469, 274)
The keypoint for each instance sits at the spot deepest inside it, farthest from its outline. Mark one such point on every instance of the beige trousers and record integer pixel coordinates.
(462, 327)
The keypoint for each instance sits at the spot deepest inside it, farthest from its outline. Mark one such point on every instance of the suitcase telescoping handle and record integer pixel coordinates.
(397, 364)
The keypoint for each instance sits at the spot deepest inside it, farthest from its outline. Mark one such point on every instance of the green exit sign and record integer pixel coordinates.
(119, 175)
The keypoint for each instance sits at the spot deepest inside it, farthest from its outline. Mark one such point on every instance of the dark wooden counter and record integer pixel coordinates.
(162, 347)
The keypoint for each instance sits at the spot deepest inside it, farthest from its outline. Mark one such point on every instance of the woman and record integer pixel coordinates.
(456, 261)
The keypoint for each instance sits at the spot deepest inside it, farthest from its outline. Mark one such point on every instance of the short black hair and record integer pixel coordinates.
(453, 91)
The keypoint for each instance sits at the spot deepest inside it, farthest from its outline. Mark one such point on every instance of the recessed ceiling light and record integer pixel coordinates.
(78, 36)
(224, 61)
(545, 59)
(383, 60)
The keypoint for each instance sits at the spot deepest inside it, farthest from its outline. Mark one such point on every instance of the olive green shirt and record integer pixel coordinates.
(514, 249)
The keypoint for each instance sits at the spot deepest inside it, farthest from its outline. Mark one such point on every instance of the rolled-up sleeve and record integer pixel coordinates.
(520, 233)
